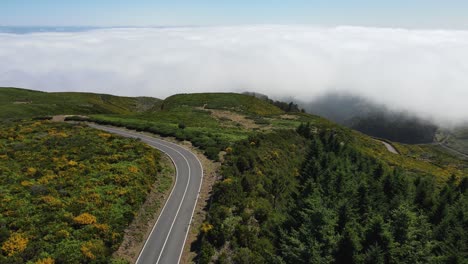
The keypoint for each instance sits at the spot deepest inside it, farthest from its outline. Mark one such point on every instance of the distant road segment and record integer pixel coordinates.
(390, 147)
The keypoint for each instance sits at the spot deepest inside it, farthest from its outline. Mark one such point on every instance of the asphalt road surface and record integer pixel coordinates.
(167, 239)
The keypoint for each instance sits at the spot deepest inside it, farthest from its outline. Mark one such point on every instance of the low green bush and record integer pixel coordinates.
(67, 192)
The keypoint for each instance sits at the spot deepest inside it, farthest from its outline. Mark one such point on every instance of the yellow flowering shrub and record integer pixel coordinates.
(92, 248)
(51, 173)
(206, 227)
(85, 219)
(133, 169)
(31, 171)
(47, 260)
(16, 243)
(105, 135)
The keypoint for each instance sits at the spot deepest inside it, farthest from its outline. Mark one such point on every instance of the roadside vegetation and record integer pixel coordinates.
(67, 192)
(215, 121)
(250, 202)
(330, 202)
(297, 188)
(204, 119)
(213, 134)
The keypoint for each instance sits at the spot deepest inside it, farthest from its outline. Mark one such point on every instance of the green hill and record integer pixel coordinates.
(18, 103)
(295, 187)
(330, 197)
(213, 122)
(226, 101)
(456, 139)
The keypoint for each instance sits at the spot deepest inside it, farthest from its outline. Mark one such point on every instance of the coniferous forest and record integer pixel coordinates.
(294, 189)
(338, 206)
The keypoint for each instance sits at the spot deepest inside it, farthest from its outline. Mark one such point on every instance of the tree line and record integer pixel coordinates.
(327, 202)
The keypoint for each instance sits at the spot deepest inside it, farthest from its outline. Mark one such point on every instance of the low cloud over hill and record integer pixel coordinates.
(421, 71)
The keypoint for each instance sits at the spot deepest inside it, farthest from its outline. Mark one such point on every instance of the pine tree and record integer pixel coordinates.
(348, 246)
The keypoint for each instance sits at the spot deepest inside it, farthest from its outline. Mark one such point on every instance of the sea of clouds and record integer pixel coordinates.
(422, 71)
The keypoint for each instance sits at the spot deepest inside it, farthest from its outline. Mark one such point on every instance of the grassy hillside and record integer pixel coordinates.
(209, 121)
(456, 138)
(271, 168)
(417, 159)
(215, 129)
(228, 101)
(214, 121)
(67, 192)
(21, 103)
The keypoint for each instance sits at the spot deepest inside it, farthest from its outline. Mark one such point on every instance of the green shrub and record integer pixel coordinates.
(70, 190)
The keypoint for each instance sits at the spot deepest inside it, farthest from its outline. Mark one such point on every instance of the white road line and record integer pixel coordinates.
(170, 195)
(180, 205)
(150, 139)
(183, 197)
(193, 211)
(198, 194)
(164, 207)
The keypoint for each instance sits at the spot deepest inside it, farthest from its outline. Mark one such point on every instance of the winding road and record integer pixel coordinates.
(167, 238)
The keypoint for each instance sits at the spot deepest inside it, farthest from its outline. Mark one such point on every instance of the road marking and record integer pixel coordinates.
(162, 211)
(195, 206)
(198, 193)
(130, 134)
(152, 140)
(180, 205)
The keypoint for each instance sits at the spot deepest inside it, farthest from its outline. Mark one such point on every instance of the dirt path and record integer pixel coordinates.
(59, 118)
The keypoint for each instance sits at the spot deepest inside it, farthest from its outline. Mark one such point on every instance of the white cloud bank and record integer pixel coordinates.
(422, 71)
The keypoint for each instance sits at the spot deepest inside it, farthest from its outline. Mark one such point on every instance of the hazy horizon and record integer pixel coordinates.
(421, 71)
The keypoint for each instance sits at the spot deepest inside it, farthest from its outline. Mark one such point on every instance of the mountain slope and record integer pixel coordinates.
(215, 121)
(226, 101)
(18, 103)
(373, 119)
(322, 197)
(456, 139)
(283, 171)
(212, 121)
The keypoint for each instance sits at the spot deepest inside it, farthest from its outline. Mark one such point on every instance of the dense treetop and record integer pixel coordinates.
(330, 204)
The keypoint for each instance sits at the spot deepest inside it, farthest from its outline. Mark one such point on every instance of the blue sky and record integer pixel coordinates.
(445, 14)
